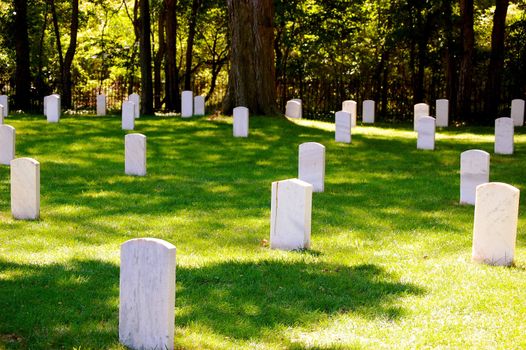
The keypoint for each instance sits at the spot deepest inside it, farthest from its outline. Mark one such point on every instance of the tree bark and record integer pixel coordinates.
(70, 54)
(22, 73)
(251, 80)
(159, 60)
(496, 63)
(145, 57)
(171, 71)
(465, 81)
(190, 44)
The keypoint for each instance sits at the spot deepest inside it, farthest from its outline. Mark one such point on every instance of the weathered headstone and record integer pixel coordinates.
(293, 109)
(442, 113)
(311, 165)
(4, 101)
(147, 294)
(474, 171)
(52, 108)
(135, 154)
(426, 133)
(420, 110)
(495, 223)
(368, 111)
(25, 188)
(199, 105)
(517, 111)
(343, 127)
(1, 114)
(290, 215)
(350, 107)
(7, 144)
(128, 115)
(504, 136)
(187, 104)
(101, 104)
(240, 126)
(136, 99)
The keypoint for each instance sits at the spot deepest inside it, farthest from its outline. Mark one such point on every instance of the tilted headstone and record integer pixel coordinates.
(199, 105)
(25, 189)
(368, 111)
(101, 104)
(474, 171)
(135, 154)
(420, 110)
(147, 294)
(1, 114)
(426, 133)
(7, 144)
(293, 109)
(311, 165)
(350, 107)
(4, 101)
(128, 115)
(495, 227)
(343, 127)
(517, 112)
(442, 113)
(240, 127)
(290, 215)
(53, 109)
(187, 104)
(136, 99)
(504, 136)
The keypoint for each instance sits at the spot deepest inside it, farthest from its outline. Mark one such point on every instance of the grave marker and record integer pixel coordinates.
(442, 113)
(474, 171)
(517, 111)
(420, 110)
(293, 109)
(350, 107)
(4, 101)
(240, 127)
(7, 144)
(52, 108)
(135, 154)
(368, 111)
(101, 104)
(311, 165)
(1, 114)
(504, 136)
(343, 127)
(128, 115)
(25, 189)
(199, 105)
(136, 99)
(187, 104)
(426, 133)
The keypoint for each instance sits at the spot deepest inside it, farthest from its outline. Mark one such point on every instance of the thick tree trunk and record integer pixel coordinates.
(190, 44)
(145, 56)
(171, 72)
(496, 63)
(465, 81)
(70, 54)
(58, 41)
(22, 73)
(252, 72)
(159, 60)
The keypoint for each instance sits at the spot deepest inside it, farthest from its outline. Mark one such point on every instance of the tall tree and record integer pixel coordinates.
(190, 44)
(22, 73)
(145, 57)
(465, 80)
(251, 80)
(496, 63)
(171, 72)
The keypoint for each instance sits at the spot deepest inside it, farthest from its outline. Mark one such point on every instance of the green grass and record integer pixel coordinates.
(389, 265)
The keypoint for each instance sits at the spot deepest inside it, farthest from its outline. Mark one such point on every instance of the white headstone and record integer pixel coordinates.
(504, 136)
(240, 122)
(368, 111)
(52, 108)
(135, 154)
(442, 113)
(474, 171)
(350, 107)
(517, 111)
(25, 188)
(199, 105)
(343, 127)
(46, 98)
(495, 227)
(293, 109)
(1, 114)
(136, 99)
(101, 104)
(290, 215)
(311, 165)
(426, 133)
(4, 101)
(7, 144)
(128, 115)
(187, 104)
(420, 110)
(147, 294)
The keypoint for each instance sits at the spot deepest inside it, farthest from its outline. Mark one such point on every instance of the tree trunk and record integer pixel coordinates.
(159, 60)
(251, 80)
(496, 62)
(70, 54)
(22, 73)
(449, 57)
(59, 43)
(465, 81)
(190, 44)
(171, 72)
(145, 56)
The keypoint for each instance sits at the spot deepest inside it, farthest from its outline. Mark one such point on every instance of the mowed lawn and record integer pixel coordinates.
(389, 265)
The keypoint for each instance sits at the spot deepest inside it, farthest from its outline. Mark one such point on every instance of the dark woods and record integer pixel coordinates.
(262, 53)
